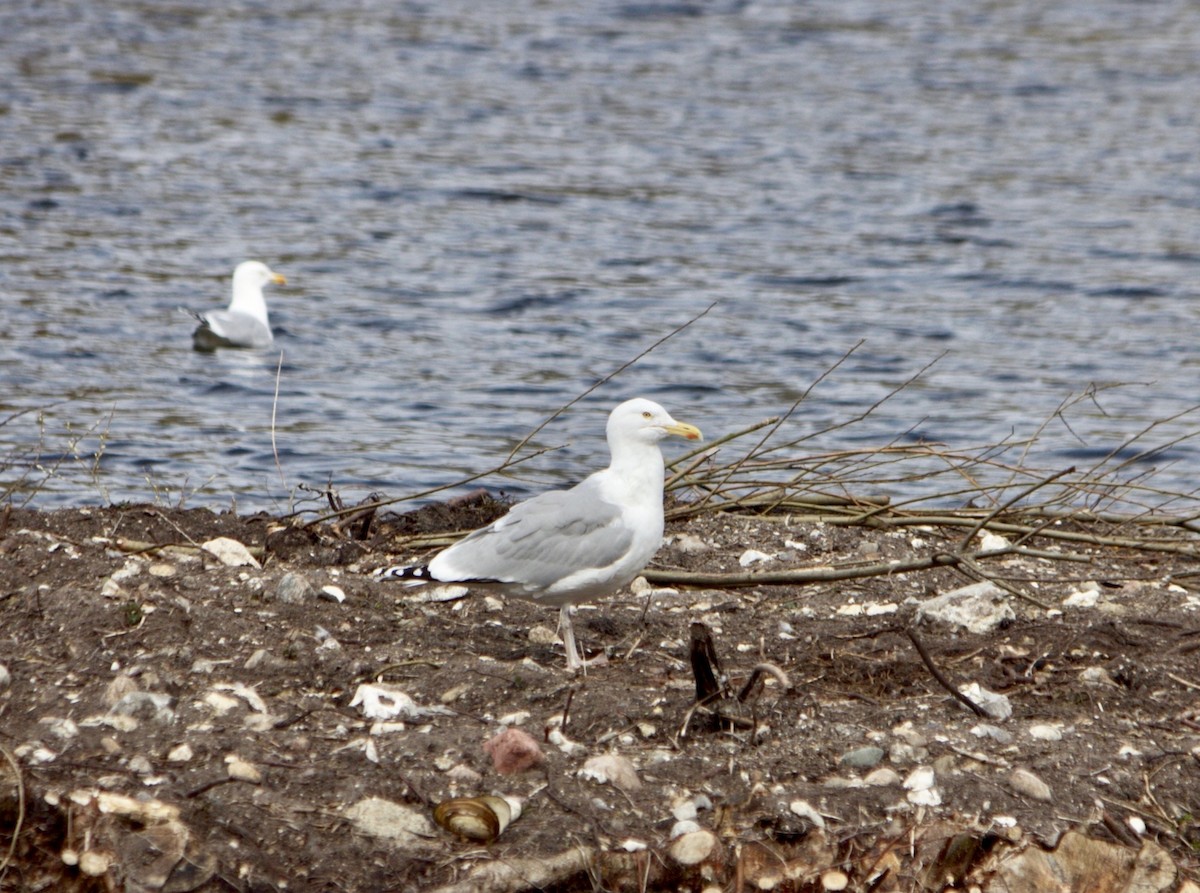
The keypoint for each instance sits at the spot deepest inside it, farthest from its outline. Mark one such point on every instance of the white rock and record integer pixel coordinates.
(693, 848)
(242, 770)
(986, 730)
(805, 810)
(884, 776)
(392, 821)
(1029, 785)
(632, 845)
(920, 779)
(162, 569)
(139, 764)
(518, 718)
(1097, 676)
(834, 880)
(1046, 732)
(684, 810)
(978, 608)
(220, 704)
(992, 542)
(381, 701)
(1082, 598)
(5, 676)
(332, 593)
(930, 797)
(612, 768)
(752, 556)
(230, 552)
(995, 705)
(684, 826)
(689, 543)
(180, 753)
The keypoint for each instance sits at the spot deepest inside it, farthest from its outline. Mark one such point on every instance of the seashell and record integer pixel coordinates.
(477, 818)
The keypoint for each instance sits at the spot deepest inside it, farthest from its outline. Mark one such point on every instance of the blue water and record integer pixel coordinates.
(484, 208)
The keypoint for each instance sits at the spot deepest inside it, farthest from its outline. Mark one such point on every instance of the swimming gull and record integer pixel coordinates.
(567, 546)
(244, 323)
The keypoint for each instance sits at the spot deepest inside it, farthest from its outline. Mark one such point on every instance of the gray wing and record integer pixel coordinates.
(539, 542)
(221, 328)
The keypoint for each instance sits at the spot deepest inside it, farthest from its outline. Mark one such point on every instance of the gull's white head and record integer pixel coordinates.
(645, 421)
(248, 280)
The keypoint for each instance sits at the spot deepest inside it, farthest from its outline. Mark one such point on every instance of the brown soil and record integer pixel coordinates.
(1119, 680)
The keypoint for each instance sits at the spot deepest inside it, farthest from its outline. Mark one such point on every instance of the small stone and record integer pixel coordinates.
(752, 556)
(805, 810)
(1029, 785)
(862, 757)
(230, 552)
(986, 730)
(181, 753)
(149, 705)
(689, 543)
(257, 659)
(140, 765)
(5, 676)
(978, 608)
(242, 770)
(920, 779)
(693, 848)
(332, 593)
(834, 880)
(294, 589)
(513, 751)
(612, 768)
(162, 569)
(1097, 676)
(995, 705)
(1046, 732)
(542, 635)
(884, 776)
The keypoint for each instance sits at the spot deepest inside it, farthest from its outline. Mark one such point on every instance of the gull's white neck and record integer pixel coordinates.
(248, 299)
(637, 467)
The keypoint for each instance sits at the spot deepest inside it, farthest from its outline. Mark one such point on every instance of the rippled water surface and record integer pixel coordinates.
(483, 208)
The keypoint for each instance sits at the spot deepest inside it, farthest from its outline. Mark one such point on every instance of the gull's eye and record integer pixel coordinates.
(647, 415)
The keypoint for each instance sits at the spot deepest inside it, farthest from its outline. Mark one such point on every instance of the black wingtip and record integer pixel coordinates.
(406, 572)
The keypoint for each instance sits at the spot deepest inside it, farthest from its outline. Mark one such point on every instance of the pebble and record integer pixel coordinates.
(612, 768)
(542, 635)
(162, 569)
(140, 765)
(230, 552)
(1029, 785)
(805, 810)
(995, 705)
(332, 593)
(242, 770)
(978, 608)
(693, 848)
(752, 556)
(863, 757)
(5, 676)
(986, 730)
(884, 776)
(1045, 732)
(294, 589)
(181, 753)
(834, 880)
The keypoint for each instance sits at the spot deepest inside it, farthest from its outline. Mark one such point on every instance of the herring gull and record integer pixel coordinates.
(567, 546)
(244, 323)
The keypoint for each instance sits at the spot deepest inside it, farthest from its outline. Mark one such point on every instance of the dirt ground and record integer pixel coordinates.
(172, 722)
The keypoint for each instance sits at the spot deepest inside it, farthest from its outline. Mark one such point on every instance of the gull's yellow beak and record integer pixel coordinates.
(279, 279)
(691, 432)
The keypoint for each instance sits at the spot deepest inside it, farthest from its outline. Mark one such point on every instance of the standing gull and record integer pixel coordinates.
(244, 323)
(568, 546)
